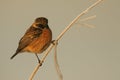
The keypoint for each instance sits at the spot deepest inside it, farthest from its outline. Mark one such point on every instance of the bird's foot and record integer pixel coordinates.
(54, 42)
(40, 62)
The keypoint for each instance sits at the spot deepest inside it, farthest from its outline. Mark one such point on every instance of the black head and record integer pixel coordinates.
(41, 21)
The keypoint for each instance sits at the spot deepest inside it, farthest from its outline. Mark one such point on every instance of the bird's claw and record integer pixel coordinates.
(40, 63)
(54, 42)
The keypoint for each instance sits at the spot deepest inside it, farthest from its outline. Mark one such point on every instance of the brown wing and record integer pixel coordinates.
(29, 36)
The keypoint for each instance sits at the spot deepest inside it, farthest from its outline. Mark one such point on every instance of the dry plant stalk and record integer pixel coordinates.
(88, 18)
(87, 25)
(56, 63)
(59, 37)
(81, 22)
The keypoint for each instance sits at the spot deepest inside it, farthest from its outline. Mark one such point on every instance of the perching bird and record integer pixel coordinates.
(36, 39)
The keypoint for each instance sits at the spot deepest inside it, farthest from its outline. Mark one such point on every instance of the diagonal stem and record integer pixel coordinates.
(62, 33)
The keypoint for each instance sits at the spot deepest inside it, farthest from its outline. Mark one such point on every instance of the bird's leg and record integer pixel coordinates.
(38, 59)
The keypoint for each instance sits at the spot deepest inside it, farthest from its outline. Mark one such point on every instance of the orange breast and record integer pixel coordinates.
(41, 43)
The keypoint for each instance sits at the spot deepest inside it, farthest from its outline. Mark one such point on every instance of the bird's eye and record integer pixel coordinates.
(41, 26)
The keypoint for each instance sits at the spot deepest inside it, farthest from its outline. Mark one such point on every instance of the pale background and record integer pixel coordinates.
(83, 53)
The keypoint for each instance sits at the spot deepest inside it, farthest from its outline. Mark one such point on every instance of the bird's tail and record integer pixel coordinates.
(14, 55)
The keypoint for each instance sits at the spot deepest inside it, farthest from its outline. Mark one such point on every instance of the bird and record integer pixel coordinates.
(36, 39)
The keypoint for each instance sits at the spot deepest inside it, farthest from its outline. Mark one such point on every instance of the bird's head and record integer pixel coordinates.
(41, 21)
